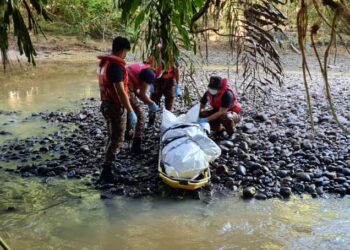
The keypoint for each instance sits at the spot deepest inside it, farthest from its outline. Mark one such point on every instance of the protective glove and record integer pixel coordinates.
(132, 119)
(178, 91)
(151, 88)
(202, 120)
(153, 107)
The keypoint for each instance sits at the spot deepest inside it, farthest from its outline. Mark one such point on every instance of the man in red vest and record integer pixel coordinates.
(166, 83)
(141, 76)
(115, 106)
(225, 107)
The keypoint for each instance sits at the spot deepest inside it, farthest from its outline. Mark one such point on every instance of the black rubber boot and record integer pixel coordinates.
(106, 174)
(151, 120)
(136, 147)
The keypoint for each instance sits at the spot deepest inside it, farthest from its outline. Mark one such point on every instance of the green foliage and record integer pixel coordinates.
(95, 18)
(165, 21)
(10, 14)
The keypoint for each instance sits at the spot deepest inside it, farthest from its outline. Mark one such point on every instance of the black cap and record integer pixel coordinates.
(215, 82)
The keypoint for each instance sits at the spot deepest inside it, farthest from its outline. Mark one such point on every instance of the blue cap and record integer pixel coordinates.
(147, 75)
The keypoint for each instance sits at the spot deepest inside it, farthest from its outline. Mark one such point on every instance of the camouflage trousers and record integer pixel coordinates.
(115, 116)
(140, 125)
(164, 87)
(227, 121)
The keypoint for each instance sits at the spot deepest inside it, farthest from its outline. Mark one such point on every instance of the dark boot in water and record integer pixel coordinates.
(106, 174)
(136, 147)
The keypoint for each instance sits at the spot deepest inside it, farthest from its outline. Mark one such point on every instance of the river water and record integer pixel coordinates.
(65, 214)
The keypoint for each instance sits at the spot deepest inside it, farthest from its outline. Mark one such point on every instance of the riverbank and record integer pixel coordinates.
(272, 154)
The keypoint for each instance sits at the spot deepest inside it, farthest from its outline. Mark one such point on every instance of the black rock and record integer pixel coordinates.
(285, 191)
(5, 133)
(241, 170)
(311, 189)
(85, 149)
(249, 128)
(227, 144)
(340, 179)
(249, 192)
(306, 145)
(346, 171)
(11, 209)
(261, 117)
(330, 175)
(283, 173)
(44, 149)
(42, 170)
(302, 176)
(299, 187)
(319, 190)
(106, 195)
(244, 146)
(222, 170)
(273, 137)
(215, 179)
(260, 196)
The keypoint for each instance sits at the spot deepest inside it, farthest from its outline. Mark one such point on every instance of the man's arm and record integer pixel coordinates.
(177, 75)
(217, 114)
(143, 94)
(124, 98)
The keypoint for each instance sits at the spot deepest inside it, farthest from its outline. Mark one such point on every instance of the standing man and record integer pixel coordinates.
(115, 106)
(141, 76)
(166, 83)
(224, 104)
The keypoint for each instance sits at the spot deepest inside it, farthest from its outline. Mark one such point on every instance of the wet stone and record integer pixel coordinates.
(261, 117)
(260, 196)
(222, 170)
(286, 192)
(331, 175)
(244, 146)
(346, 171)
(299, 187)
(241, 170)
(303, 176)
(249, 192)
(283, 173)
(306, 145)
(227, 144)
(273, 137)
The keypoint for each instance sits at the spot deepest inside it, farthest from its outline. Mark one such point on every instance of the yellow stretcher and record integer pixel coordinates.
(182, 183)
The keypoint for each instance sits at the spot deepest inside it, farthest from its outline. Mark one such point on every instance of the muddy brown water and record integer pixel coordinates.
(62, 214)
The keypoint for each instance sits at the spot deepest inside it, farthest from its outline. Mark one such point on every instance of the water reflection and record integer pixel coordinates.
(91, 223)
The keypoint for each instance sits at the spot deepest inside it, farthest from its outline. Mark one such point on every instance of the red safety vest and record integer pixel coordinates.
(216, 100)
(107, 90)
(134, 71)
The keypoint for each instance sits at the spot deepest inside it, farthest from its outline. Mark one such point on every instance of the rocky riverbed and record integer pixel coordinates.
(273, 153)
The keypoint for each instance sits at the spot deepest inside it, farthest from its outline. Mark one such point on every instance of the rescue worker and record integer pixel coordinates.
(115, 106)
(141, 76)
(224, 104)
(166, 83)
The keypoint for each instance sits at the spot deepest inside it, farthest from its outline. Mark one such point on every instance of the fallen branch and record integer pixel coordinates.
(4, 245)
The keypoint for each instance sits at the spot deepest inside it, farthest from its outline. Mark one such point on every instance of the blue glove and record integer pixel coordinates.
(151, 88)
(202, 120)
(178, 91)
(132, 119)
(153, 107)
